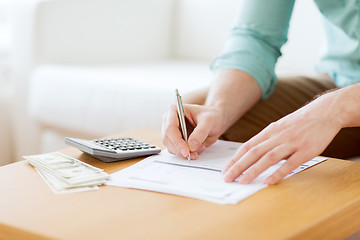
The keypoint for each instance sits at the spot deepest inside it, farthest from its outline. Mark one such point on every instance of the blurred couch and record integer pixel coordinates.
(90, 68)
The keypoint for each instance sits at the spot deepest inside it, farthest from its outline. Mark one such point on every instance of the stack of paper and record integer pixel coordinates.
(201, 179)
(65, 174)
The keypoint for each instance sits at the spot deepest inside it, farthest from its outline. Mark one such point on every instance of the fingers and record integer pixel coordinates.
(209, 141)
(201, 119)
(172, 137)
(291, 164)
(254, 162)
(267, 160)
(250, 145)
(200, 135)
(257, 155)
(296, 137)
(246, 157)
(238, 155)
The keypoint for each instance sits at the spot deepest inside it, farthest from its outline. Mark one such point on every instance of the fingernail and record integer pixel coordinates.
(243, 179)
(184, 152)
(193, 155)
(194, 145)
(228, 177)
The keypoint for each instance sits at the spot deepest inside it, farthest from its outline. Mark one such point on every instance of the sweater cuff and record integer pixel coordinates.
(249, 64)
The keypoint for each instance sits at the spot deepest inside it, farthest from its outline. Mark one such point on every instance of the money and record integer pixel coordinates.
(65, 174)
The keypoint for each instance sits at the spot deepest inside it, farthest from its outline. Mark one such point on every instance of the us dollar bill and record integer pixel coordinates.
(62, 172)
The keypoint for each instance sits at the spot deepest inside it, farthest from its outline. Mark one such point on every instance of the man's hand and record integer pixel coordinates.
(297, 138)
(232, 93)
(204, 124)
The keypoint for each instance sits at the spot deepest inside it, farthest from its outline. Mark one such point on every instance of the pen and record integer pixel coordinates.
(181, 114)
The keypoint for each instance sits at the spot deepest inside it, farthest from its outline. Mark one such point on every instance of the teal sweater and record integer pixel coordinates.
(261, 29)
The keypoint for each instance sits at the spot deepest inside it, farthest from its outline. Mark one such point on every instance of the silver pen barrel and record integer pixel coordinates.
(181, 115)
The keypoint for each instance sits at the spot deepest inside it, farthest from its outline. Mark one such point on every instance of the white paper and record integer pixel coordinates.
(201, 178)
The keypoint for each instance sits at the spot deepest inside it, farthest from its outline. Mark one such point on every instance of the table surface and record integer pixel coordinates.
(322, 202)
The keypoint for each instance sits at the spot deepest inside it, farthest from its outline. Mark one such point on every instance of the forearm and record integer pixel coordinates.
(233, 92)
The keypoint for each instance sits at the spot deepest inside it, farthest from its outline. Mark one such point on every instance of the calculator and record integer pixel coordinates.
(114, 149)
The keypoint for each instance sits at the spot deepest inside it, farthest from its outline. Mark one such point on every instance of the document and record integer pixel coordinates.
(200, 179)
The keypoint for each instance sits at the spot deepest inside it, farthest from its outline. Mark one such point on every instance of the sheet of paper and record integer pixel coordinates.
(201, 178)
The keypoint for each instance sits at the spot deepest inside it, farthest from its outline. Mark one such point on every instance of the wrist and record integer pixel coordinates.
(343, 106)
(348, 100)
(232, 94)
(221, 117)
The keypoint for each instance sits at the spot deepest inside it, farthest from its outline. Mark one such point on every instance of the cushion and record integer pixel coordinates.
(104, 100)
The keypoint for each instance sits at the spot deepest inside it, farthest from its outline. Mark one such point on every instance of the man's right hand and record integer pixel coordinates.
(204, 126)
(232, 93)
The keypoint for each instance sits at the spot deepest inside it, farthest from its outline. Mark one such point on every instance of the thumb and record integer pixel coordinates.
(198, 136)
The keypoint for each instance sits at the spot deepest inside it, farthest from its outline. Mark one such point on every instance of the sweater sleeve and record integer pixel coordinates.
(254, 43)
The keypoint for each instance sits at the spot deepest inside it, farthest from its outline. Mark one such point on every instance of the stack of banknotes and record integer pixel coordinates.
(64, 174)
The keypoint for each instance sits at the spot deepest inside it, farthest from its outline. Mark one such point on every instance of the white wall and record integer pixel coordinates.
(305, 38)
(208, 22)
(202, 27)
(6, 93)
(6, 134)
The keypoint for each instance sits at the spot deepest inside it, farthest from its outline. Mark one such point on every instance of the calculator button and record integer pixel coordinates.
(122, 145)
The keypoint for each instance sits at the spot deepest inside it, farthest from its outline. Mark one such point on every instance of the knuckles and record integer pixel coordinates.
(246, 147)
(272, 126)
(291, 165)
(272, 157)
(172, 107)
(255, 152)
(208, 117)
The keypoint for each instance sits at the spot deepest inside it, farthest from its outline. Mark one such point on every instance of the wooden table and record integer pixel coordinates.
(322, 202)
